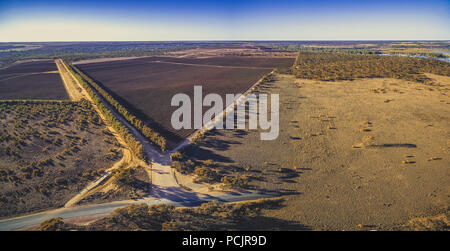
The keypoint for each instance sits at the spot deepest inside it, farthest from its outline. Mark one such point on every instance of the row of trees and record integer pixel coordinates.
(148, 133)
(135, 145)
(344, 66)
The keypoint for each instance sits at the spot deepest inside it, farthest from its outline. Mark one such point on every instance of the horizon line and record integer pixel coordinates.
(232, 40)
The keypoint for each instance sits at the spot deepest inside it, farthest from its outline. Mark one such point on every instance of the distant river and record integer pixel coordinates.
(443, 52)
(418, 56)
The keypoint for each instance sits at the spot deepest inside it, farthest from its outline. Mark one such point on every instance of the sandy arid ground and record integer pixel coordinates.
(351, 155)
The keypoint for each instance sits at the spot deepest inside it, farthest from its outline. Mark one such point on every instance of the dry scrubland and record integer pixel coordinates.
(343, 66)
(362, 154)
(145, 86)
(32, 80)
(438, 53)
(49, 151)
(127, 182)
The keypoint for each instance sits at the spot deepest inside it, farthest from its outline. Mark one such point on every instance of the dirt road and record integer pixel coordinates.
(177, 199)
(73, 90)
(126, 159)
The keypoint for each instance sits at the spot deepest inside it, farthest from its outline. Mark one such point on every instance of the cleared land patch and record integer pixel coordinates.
(251, 62)
(32, 80)
(146, 86)
(72, 88)
(399, 169)
(29, 67)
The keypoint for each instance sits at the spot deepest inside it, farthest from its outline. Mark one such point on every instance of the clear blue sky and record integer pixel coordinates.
(66, 20)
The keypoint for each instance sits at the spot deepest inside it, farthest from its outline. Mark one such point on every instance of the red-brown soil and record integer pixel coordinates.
(32, 80)
(147, 85)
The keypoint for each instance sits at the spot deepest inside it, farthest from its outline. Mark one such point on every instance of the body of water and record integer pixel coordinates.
(419, 56)
(443, 52)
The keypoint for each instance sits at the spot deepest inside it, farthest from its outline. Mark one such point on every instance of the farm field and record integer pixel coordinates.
(32, 80)
(49, 151)
(29, 67)
(215, 51)
(146, 85)
(263, 62)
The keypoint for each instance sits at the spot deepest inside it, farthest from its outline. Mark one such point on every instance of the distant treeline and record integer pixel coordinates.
(350, 50)
(73, 51)
(135, 145)
(148, 133)
(346, 66)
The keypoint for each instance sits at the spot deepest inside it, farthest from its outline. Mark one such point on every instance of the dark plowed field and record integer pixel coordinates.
(263, 62)
(32, 81)
(46, 86)
(29, 67)
(146, 85)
